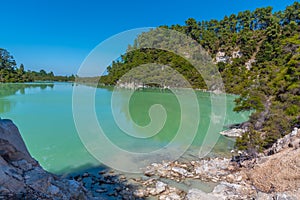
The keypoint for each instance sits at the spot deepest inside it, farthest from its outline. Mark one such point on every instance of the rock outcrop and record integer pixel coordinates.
(288, 141)
(23, 178)
(234, 132)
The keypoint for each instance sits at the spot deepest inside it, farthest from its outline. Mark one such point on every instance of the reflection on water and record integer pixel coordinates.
(43, 114)
(5, 105)
(140, 105)
(9, 89)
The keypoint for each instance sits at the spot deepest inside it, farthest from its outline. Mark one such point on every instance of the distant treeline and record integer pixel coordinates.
(10, 73)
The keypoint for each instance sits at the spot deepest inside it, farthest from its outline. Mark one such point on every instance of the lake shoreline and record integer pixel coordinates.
(228, 178)
(25, 104)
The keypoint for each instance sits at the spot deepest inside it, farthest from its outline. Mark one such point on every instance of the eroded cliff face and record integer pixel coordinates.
(22, 177)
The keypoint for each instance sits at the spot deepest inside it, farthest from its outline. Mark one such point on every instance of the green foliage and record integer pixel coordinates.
(7, 61)
(254, 101)
(250, 140)
(145, 56)
(10, 73)
(271, 87)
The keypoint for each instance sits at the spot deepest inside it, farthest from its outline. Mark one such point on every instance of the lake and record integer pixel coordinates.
(43, 114)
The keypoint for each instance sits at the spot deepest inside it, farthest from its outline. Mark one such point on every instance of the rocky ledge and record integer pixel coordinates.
(23, 178)
(273, 174)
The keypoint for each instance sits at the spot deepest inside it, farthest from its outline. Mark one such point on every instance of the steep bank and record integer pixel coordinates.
(23, 177)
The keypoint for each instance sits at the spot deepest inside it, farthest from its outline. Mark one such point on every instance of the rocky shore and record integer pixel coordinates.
(23, 178)
(273, 174)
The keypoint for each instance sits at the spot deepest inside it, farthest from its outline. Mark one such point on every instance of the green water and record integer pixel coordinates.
(43, 114)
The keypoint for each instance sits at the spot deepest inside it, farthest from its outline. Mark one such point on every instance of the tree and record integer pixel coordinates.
(43, 72)
(21, 70)
(6, 60)
(269, 87)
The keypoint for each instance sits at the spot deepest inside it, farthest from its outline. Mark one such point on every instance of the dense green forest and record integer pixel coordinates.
(9, 72)
(258, 56)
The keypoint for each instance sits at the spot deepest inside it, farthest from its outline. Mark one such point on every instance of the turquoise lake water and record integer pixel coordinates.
(43, 114)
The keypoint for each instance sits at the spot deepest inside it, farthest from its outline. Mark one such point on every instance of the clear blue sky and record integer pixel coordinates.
(57, 35)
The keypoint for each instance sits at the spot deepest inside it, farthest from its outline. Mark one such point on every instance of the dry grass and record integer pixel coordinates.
(281, 172)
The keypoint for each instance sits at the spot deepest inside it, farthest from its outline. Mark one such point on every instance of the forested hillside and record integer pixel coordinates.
(10, 73)
(258, 56)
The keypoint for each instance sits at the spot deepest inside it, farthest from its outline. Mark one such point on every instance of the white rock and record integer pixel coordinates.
(198, 170)
(139, 193)
(173, 196)
(179, 170)
(283, 196)
(149, 172)
(227, 189)
(294, 132)
(263, 196)
(195, 194)
(235, 132)
(152, 191)
(160, 187)
(239, 178)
